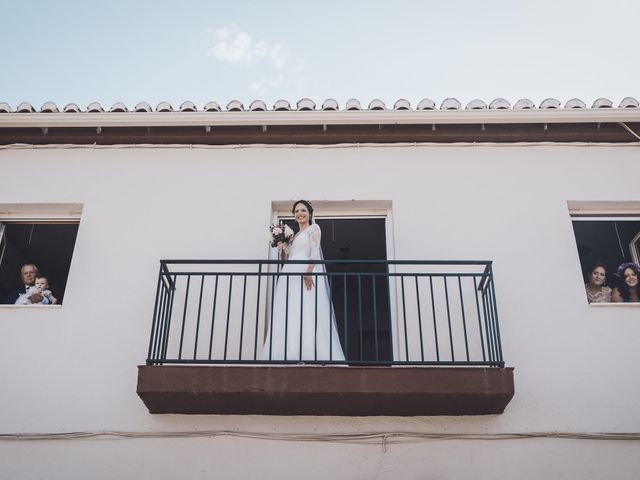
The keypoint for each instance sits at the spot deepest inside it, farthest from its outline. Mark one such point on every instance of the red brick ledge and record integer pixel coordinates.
(325, 390)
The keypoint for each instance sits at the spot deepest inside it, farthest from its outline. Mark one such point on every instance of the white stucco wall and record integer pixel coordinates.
(73, 368)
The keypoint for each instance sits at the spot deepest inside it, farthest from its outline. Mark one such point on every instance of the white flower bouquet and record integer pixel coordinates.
(280, 233)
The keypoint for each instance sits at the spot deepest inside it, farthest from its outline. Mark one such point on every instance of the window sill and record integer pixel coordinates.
(615, 304)
(32, 306)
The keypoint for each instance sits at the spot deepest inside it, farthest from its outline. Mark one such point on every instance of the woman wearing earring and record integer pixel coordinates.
(302, 324)
(629, 288)
(597, 291)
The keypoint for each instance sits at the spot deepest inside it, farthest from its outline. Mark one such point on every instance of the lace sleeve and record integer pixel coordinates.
(314, 242)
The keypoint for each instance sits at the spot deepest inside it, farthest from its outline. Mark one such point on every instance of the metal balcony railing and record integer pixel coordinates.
(384, 313)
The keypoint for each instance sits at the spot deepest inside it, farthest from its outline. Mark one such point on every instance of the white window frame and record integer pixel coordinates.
(589, 211)
(37, 213)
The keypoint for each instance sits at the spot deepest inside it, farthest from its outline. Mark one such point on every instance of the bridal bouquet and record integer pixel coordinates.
(280, 233)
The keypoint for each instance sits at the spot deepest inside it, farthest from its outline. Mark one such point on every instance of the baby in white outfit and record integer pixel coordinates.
(41, 287)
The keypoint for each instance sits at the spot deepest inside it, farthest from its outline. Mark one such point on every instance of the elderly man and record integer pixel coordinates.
(28, 275)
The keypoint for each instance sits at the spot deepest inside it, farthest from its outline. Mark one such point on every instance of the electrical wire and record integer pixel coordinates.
(94, 146)
(364, 438)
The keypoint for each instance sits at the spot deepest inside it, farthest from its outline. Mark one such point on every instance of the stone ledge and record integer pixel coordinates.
(325, 390)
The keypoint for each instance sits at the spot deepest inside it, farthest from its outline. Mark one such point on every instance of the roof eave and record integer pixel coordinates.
(344, 117)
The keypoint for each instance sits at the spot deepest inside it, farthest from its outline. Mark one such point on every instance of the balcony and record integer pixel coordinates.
(418, 337)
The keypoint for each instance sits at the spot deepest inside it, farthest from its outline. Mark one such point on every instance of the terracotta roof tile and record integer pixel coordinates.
(164, 107)
(307, 104)
(450, 104)
(212, 107)
(575, 103)
(602, 103)
(49, 107)
(524, 104)
(25, 107)
(330, 104)
(377, 104)
(550, 103)
(499, 104)
(426, 104)
(119, 107)
(353, 104)
(95, 107)
(71, 108)
(188, 107)
(142, 107)
(258, 106)
(629, 102)
(476, 104)
(402, 104)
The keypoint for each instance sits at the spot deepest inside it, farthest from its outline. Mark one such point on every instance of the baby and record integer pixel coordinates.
(41, 287)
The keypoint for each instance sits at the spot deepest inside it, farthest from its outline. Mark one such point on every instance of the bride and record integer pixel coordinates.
(300, 329)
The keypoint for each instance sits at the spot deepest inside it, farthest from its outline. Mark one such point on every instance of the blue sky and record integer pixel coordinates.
(130, 51)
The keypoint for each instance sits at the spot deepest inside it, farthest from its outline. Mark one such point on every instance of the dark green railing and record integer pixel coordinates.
(385, 313)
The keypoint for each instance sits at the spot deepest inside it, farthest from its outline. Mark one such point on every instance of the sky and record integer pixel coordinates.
(141, 50)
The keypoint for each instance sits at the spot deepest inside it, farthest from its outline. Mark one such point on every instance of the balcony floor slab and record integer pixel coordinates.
(325, 390)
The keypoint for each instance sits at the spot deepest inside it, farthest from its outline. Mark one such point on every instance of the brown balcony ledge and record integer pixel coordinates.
(325, 390)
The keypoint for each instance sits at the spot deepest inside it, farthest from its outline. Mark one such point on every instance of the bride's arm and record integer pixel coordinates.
(315, 235)
(283, 249)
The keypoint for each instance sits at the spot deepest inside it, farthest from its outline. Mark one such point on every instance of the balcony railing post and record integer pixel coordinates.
(162, 320)
(273, 291)
(255, 341)
(475, 291)
(446, 297)
(464, 320)
(154, 322)
(184, 316)
(331, 314)
(244, 296)
(168, 315)
(495, 319)
(213, 315)
(346, 316)
(419, 318)
(487, 323)
(360, 328)
(286, 320)
(195, 343)
(404, 320)
(374, 280)
(300, 323)
(226, 330)
(435, 323)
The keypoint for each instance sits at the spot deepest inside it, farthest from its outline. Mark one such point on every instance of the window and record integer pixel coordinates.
(43, 235)
(607, 233)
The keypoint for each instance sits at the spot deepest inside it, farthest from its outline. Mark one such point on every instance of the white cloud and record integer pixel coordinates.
(237, 47)
(267, 67)
(264, 84)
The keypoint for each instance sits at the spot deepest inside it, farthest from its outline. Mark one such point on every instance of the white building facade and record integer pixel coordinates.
(501, 185)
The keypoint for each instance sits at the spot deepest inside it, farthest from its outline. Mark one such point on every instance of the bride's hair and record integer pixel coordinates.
(309, 207)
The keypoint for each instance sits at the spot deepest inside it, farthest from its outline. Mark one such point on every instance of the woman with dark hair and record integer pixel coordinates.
(302, 325)
(629, 288)
(597, 291)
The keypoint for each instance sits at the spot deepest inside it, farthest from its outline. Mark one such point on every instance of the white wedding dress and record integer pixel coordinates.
(302, 330)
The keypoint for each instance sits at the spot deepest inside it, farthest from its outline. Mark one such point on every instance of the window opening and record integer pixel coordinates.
(606, 239)
(48, 245)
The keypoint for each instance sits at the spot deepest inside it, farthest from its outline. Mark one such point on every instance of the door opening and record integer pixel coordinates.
(364, 319)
